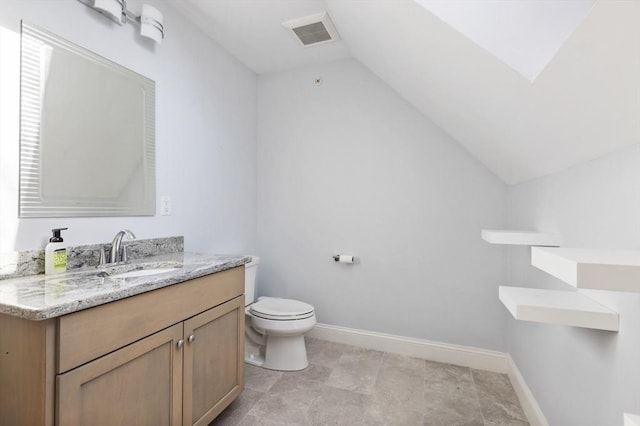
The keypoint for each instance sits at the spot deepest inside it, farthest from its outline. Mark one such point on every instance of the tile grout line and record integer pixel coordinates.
(313, 401)
(475, 389)
(252, 408)
(424, 391)
(378, 370)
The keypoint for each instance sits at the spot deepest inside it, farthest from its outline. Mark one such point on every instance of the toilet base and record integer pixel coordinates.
(253, 353)
(252, 359)
(285, 353)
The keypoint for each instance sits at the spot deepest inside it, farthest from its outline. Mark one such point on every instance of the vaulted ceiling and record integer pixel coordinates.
(524, 107)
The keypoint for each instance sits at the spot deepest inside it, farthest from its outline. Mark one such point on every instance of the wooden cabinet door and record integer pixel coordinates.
(139, 384)
(213, 361)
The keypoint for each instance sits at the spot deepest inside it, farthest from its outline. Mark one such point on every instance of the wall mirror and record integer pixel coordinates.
(87, 132)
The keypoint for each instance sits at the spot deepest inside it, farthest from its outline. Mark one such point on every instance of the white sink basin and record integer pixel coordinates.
(142, 272)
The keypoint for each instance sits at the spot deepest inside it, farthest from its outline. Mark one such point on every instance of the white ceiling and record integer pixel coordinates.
(252, 31)
(524, 34)
(584, 104)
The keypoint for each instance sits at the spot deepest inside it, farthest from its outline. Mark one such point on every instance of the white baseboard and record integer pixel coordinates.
(466, 356)
(527, 401)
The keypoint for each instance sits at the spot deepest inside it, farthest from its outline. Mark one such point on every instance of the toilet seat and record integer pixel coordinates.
(274, 308)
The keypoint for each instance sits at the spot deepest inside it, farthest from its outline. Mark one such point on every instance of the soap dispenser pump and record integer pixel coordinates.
(55, 254)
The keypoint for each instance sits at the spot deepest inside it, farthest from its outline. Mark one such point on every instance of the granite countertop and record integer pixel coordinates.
(39, 297)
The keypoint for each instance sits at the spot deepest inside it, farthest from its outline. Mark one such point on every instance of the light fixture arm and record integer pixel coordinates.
(125, 11)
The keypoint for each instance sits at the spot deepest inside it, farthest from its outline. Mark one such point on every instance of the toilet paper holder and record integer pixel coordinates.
(344, 258)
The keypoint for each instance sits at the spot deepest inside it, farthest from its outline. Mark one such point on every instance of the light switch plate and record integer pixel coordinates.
(165, 205)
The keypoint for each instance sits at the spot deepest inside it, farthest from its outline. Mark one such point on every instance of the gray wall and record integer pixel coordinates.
(350, 167)
(205, 129)
(580, 376)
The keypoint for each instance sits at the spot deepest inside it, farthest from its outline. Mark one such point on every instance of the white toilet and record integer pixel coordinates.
(274, 327)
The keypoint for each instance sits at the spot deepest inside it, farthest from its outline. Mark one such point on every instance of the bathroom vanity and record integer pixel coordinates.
(164, 349)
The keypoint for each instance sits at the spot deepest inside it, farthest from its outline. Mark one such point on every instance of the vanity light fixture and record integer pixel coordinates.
(113, 9)
(150, 20)
(151, 23)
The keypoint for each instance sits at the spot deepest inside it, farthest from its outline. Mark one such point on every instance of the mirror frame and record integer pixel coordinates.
(31, 201)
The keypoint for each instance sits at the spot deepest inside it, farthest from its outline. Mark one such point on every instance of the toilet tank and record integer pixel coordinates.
(250, 270)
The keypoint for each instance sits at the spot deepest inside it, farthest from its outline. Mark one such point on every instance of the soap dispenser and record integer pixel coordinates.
(55, 254)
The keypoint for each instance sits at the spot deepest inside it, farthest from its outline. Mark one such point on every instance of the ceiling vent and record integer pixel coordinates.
(313, 30)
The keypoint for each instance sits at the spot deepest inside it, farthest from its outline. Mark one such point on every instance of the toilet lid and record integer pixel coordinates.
(276, 308)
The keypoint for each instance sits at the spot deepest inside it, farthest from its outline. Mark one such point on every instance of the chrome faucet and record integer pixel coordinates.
(116, 245)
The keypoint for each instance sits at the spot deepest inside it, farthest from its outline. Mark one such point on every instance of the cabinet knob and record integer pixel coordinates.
(191, 338)
(180, 343)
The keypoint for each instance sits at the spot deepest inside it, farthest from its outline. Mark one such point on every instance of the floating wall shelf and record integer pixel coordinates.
(592, 269)
(557, 307)
(520, 238)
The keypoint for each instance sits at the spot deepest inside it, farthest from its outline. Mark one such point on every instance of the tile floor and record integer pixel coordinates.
(347, 385)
